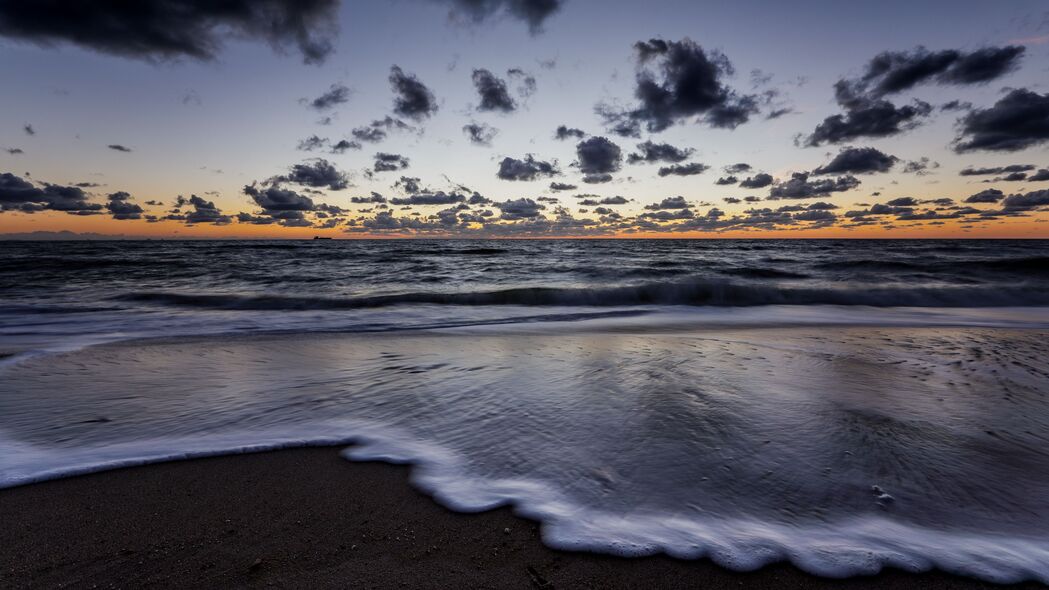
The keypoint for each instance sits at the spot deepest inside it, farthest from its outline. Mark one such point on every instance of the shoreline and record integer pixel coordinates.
(306, 517)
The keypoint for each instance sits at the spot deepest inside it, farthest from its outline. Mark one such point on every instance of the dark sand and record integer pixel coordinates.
(308, 518)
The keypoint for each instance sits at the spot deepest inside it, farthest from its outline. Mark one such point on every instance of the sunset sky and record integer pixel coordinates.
(441, 118)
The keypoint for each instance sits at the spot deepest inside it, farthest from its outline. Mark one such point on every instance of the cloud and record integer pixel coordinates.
(1041, 176)
(337, 94)
(280, 203)
(868, 114)
(759, 180)
(119, 148)
(668, 204)
(683, 169)
(598, 156)
(317, 173)
(1026, 202)
(413, 99)
(869, 118)
(800, 187)
(388, 162)
(659, 152)
(493, 92)
(991, 195)
(526, 169)
(532, 12)
(563, 132)
(372, 198)
(562, 186)
(987, 171)
(1018, 120)
(480, 133)
(14, 151)
(119, 205)
(738, 168)
(519, 209)
(726, 181)
(203, 212)
(18, 194)
(28, 129)
(158, 30)
(891, 72)
(435, 198)
(378, 129)
(852, 160)
(679, 81)
(344, 144)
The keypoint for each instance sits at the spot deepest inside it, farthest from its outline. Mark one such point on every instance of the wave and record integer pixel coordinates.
(694, 293)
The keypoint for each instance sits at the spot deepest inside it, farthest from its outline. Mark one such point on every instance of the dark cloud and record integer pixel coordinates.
(18, 194)
(987, 171)
(1041, 176)
(869, 118)
(413, 99)
(279, 203)
(738, 168)
(389, 162)
(408, 184)
(171, 29)
(344, 144)
(120, 206)
(668, 203)
(659, 152)
(316, 173)
(759, 180)
(800, 187)
(436, 198)
(519, 209)
(956, 105)
(891, 72)
(337, 94)
(1018, 120)
(532, 12)
(28, 129)
(203, 212)
(119, 148)
(597, 178)
(493, 92)
(312, 143)
(680, 81)
(868, 114)
(991, 195)
(598, 156)
(561, 186)
(480, 133)
(378, 129)
(372, 198)
(683, 169)
(526, 169)
(920, 166)
(726, 181)
(564, 132)
(1026, 202)
(852, 160)
(14, 151)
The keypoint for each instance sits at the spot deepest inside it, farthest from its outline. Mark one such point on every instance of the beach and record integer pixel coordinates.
(308, 518)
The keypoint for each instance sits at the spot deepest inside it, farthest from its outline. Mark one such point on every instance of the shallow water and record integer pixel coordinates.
(627, 418)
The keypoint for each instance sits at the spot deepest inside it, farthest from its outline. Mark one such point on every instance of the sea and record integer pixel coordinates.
(844, 405)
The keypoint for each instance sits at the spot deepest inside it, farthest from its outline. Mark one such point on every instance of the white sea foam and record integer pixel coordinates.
(743, 445)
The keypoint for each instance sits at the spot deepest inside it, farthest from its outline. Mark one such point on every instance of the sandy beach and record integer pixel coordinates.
(308, 518)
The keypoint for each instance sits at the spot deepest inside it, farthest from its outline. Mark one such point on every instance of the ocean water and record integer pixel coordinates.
(844, 405)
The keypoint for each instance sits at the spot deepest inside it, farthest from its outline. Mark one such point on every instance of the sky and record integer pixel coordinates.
(407, 118)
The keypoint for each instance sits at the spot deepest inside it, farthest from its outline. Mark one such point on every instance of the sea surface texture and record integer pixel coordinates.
(844, 405)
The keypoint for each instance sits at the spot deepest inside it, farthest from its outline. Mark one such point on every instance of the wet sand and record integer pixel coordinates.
(308, 518)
